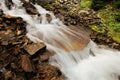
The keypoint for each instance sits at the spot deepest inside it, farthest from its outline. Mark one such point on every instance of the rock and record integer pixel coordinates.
(5, 37)
(30, 9)
(26, 64)
(2, 77)
(35, 48)
(1, 12)
(48, 72)
(2, 49)
(44, 57)
(8, 3)
(4, 60)
(78, 41)
(8, 75)
(40, 1)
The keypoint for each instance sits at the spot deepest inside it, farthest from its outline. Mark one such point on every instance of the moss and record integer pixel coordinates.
(84, 4)
(115, 35)
(108, 20)
(98, 29)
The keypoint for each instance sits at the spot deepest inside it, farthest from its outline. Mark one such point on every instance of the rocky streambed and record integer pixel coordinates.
(21, 59)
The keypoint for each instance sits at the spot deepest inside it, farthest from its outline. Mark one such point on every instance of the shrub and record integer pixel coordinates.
(117, 18)
(97, 4)
(116, 3)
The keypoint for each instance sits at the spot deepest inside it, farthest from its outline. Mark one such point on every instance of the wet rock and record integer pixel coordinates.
(8, 3)
(1, 12)
(35, 48)
(14, 58)
(49, 18)
(44, 57)
(26, 64)
(30, 9)
(48, 72)
(41, 1)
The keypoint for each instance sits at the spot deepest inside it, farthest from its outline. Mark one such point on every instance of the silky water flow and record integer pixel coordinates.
(77, 57)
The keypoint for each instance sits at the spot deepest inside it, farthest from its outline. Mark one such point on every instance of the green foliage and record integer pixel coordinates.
(97, 4)
(117, 18)
(116, 3)
(98, 29)
(85, 4)
(109, 12)
(108, 18)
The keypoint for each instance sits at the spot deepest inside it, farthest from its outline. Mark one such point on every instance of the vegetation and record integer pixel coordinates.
(97, 4)
(85, 4)
(110, 21)
(116, 3)
(109, 13)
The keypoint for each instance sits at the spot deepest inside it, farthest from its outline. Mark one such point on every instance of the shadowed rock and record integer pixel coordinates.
(30, 9)
(8, 3)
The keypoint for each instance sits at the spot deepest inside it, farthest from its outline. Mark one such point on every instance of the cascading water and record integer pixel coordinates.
(75, 61)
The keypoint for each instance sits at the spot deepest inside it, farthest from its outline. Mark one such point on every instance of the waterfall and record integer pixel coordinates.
(76, 55)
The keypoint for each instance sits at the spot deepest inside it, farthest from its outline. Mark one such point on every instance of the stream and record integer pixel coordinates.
(78, 57)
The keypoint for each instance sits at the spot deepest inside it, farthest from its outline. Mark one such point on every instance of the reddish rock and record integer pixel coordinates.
(26, 64)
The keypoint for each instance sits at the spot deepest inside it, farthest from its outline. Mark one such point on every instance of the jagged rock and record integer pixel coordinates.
(30, 9)
(40, 1)
(1, 12)
(8, 75)
(14, 47)
(8, 3)
(48, 72)
(26, 64)
(35, 48)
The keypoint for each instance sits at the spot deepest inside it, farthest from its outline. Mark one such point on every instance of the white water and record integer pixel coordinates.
(75, 64)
